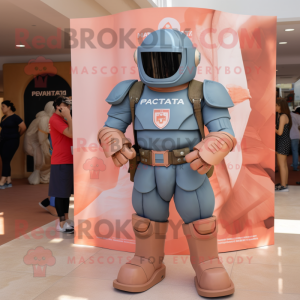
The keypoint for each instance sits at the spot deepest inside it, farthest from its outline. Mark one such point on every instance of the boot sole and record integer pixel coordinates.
(214, 293)
(157, 277)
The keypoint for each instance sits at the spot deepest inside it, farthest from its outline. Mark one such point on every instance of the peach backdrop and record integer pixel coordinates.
(237, 50)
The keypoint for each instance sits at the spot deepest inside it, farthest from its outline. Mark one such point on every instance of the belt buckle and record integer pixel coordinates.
(165, 156)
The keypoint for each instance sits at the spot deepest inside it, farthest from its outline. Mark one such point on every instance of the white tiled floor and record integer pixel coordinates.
(86, 273)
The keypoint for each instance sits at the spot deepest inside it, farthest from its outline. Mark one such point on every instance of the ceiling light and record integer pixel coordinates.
(291, 29)
(282, 43)
(20, 46)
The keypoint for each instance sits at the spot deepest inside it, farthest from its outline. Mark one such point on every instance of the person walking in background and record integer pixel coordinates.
(61, 174)
(49, 205)
(295, 136)
(283, 142)
(12, 128)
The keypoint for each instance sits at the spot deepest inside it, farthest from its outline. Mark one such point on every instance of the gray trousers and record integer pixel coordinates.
(154, 188)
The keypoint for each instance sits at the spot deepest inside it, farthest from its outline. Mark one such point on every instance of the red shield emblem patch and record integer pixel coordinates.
(161, 117)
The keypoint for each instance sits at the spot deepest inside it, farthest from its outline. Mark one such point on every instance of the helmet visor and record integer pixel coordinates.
(161, 65)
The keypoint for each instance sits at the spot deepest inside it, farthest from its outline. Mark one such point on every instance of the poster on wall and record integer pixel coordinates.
(238, 51)
(44, 87)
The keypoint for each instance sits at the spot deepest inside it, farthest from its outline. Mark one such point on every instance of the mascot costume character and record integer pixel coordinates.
(37, 143)
(171, 157)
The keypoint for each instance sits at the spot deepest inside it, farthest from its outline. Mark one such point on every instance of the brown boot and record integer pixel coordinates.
(211, 278)
(146, 268)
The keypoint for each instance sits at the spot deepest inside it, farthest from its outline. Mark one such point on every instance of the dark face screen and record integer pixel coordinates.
(161, 65)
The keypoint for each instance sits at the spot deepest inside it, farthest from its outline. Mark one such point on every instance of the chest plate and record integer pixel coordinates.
(164, 111)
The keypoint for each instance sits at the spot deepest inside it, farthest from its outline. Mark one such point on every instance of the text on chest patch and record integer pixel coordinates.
(163, 101)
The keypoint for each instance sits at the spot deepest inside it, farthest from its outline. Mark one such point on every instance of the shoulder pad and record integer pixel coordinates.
(216, 95)
(119, 92)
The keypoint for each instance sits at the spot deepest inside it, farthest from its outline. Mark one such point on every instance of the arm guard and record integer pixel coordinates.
(119, 115)
(215, 107)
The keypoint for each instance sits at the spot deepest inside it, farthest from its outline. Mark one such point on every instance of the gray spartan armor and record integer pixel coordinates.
(167, 130)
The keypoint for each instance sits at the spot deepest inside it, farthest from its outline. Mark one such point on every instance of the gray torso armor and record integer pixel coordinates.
(171, 111)
(177, 126)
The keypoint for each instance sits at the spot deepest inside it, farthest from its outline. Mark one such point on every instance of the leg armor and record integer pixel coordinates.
(146, 268)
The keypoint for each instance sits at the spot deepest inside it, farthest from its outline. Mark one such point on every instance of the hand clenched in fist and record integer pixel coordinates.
(197, 163)
(211, 151)
(116, 145)
(121, 157)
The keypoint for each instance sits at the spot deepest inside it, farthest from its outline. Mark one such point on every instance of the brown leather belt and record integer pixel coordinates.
(163, 158)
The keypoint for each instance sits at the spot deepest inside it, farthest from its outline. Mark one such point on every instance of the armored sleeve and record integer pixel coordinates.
(215, 106)
(119, 115)
(217, 119)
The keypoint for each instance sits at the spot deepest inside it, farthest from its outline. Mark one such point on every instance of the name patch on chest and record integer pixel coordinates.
(161, 117)
(162, 101)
